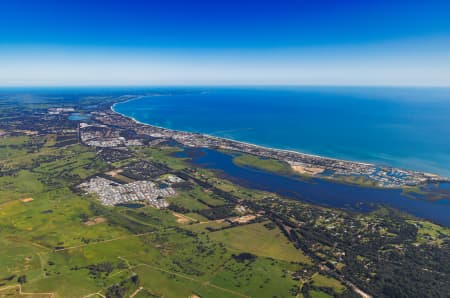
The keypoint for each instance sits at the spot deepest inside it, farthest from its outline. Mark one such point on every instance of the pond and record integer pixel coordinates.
(78, 117)
(130, 205)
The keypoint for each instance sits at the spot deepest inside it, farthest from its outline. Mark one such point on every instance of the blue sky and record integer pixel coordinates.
(304, 42)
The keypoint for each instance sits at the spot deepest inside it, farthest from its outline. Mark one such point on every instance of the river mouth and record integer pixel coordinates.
(322, 192)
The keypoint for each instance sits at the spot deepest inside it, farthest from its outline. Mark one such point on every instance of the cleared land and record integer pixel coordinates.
(259, 240)
(320, 280)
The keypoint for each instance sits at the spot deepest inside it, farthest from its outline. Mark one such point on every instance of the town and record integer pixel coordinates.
(107, 128)
(111, 193)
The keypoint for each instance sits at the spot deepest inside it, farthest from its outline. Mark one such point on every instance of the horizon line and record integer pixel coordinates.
(225, 85)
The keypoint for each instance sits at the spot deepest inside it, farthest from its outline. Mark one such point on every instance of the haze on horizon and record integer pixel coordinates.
(111, 43)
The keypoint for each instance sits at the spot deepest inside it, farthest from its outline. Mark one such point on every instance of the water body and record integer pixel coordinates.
(130, 205)
(319, 191)
(78, 117)
(402, 127)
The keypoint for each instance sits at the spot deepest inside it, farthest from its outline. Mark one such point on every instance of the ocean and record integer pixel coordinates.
(402, 127)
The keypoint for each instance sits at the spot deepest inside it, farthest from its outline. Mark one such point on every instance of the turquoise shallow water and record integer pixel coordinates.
(403, 127)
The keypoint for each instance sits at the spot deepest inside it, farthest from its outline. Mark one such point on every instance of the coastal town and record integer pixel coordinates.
(106, 129)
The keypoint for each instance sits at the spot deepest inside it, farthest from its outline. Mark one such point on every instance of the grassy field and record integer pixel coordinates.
(355, 180)
(188, 200)
(320, 280)
(319, 294)
(259, 240)
(196, 198)
(23, 184)
(271, 165)
(168, 261)
(164, 156)
(259, 278)
(430, 233)
(205, 225)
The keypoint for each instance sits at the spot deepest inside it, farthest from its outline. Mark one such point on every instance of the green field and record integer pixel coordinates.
(319, 294)
(320, 280)
(196, 199)
(271, 165)
(257, 239)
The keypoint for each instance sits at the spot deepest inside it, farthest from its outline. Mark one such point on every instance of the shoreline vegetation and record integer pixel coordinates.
(302, 164)
(304, 173)
(271, 165)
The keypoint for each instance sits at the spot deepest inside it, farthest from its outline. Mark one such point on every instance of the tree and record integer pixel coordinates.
(22, 279)
(135, 279)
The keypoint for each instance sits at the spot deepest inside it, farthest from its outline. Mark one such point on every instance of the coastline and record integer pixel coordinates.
(241, 142)
(339, 170)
